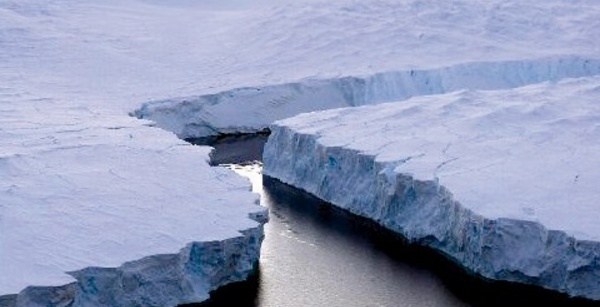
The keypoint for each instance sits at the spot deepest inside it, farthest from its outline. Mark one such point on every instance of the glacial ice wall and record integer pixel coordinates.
(250, 109)
(502, 182)
(157, 280)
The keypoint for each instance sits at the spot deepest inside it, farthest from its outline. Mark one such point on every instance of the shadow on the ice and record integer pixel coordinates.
(234, 148)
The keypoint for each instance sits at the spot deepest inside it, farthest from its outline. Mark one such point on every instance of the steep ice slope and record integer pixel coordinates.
(503, 182)
(252, 109)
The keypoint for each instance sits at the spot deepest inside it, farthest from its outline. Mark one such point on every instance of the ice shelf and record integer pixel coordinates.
(502, 182)
(252, 109)
(106, 211)
(89, 195)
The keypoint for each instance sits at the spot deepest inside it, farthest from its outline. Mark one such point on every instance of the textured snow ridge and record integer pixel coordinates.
(159, 280)
(502, 182)
(255, 108)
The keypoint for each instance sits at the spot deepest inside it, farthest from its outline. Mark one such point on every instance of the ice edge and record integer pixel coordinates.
(251, 109)
(426, 213)
(157, 280)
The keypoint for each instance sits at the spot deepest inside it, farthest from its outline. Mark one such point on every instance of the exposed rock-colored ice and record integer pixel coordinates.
(503, 182)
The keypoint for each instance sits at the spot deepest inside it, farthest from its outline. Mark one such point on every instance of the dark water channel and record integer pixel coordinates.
(316, 255)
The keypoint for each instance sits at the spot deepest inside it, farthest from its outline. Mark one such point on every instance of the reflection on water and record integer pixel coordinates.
(314, 255)
(317, 255)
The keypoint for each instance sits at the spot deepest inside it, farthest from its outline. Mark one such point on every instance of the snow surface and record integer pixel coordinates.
(503, 182)
(79, 192)
(89, 194)
(72, 70)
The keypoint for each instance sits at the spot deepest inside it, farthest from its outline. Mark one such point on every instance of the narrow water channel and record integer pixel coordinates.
(316, 255)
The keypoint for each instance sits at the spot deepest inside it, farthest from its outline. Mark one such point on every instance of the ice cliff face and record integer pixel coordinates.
(158, 280)
(253, 109)
(503, 183)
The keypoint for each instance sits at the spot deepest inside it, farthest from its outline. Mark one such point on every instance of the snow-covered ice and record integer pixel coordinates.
(254, 108)
(503, 182)
(90, 191)
(74, 164)
(97, 207)
(314, 55)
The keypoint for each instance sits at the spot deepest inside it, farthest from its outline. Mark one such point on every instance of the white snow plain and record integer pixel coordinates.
(98, 208)
(121, 208)
(502, 182)
(71, 71)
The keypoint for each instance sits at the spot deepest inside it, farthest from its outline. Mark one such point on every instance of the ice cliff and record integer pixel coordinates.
(502, 182)
(158, 280)
(86, 189)
(251, 109)
(116, 213)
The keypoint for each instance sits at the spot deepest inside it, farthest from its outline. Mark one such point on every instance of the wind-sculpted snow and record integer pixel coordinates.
(253, 109)
(502, 182)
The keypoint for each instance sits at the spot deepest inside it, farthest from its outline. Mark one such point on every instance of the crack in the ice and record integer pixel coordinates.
(404, 160)
(441, 165)
(112, 172)
(446, 148)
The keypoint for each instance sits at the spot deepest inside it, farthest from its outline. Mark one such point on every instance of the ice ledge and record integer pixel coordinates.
(251, 109)
(426, 213)
(158, 280)
(348, 158)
